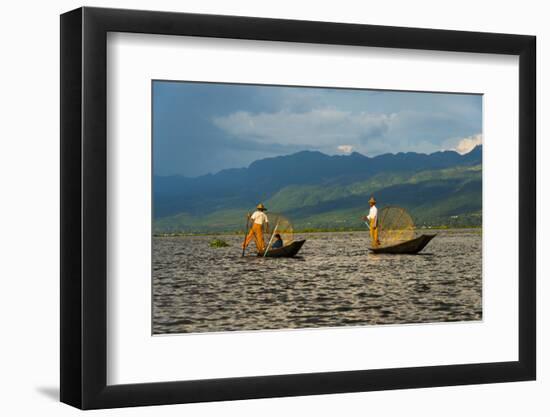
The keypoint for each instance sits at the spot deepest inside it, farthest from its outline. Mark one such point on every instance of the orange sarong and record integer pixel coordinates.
(374, 233)
(257, 233)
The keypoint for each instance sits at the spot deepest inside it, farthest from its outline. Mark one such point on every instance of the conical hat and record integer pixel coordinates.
(372, 200)
(261, 207)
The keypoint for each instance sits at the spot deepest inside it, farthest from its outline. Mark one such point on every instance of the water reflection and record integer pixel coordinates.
(333, 283)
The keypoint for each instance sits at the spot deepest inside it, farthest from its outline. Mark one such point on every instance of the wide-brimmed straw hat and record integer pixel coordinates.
(372, 200)
(261, 207)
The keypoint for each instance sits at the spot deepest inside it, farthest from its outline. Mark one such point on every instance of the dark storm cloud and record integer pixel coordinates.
(200, 128)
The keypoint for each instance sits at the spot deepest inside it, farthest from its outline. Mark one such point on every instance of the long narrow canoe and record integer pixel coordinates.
(409, 247)
(287, 251)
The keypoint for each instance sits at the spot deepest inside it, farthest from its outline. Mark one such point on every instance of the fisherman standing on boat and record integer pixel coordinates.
(259, 219)
(372, 218)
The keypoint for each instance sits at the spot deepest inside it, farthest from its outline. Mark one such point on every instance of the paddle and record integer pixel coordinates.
(246, 233)
(271, 238)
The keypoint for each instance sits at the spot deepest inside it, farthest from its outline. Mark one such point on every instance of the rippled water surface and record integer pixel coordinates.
(333, 282)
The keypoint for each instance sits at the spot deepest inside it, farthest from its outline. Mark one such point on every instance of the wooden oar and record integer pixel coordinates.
(271, 238)
(246, 233)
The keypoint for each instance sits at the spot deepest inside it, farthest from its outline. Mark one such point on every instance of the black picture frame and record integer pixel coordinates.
(84, 207)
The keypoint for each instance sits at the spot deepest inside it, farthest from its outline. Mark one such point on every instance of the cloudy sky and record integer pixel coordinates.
(201, 128)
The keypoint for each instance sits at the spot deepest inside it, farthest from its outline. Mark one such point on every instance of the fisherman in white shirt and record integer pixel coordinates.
(372, 218)
(259, 219)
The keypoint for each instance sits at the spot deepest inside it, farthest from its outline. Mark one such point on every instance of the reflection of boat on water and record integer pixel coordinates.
(408, 247)
(287, 251)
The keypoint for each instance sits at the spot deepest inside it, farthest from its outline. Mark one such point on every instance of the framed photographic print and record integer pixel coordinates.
(258, 207)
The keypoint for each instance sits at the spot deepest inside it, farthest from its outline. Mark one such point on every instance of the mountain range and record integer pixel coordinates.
(316, 190)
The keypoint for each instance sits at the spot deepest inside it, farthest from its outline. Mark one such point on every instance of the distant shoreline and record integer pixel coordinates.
(306, 231)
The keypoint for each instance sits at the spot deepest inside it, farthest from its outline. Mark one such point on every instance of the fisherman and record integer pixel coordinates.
(259, 219)
(372, 218)
(278, 242)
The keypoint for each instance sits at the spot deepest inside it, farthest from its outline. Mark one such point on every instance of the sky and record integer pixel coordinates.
(201, 128)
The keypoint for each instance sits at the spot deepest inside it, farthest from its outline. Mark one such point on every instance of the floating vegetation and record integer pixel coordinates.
(218, 243)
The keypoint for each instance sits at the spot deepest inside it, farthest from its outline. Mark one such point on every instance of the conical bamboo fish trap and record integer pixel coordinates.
(281, 225)
(395, 225)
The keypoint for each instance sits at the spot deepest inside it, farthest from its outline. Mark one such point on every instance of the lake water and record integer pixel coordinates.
(334, 282)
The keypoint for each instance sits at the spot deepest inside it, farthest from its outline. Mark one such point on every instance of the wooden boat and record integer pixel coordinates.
(287, 251)
(409, 247)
